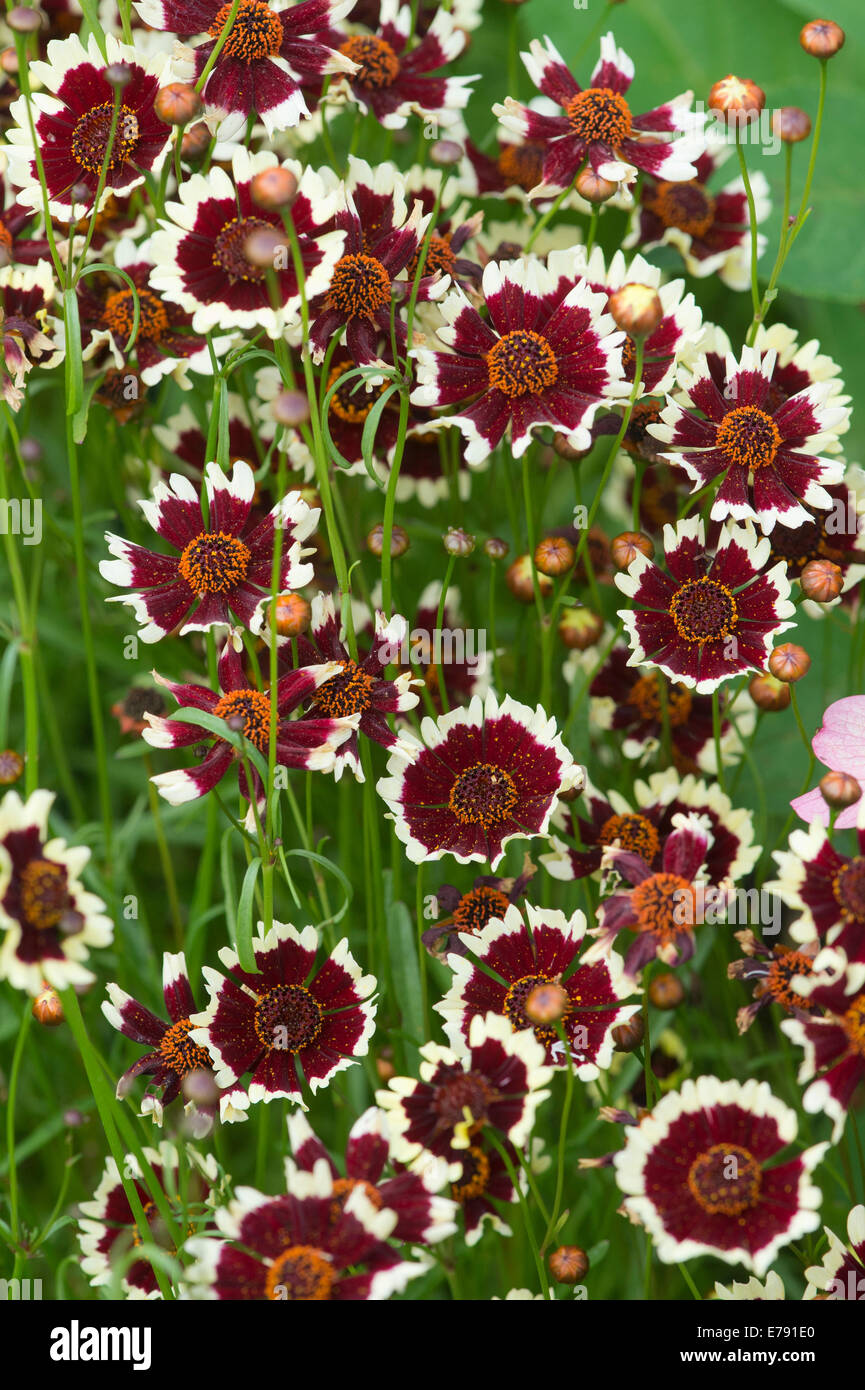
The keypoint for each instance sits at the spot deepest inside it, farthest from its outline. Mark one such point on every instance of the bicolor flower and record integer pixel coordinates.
(485, 775)
(834, 1041)
(224, 569)
(825, 886)
(248, 438)
(841, 1273)
(17, 244)
(597, 125)
(696, 1174)
(766, 457)
(27, 337)
(512, 959)
(547, 355)
(469, 912)
(78, 134)
(839, 744)
(708, 617)
(772, 971)
(48, 919)
(297, 1022)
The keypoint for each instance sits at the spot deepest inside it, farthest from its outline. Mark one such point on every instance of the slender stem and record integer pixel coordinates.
(752, 220)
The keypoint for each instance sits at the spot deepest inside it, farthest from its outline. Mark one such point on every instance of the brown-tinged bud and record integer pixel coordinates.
(263, 246)
(200, 1087)
(519, 580)
(637, 309)
(666, 990)
(546, 1004)
(789, 662)
(554, 556)
(196, 141)
(580, 628)
(399, 541)
(840, 789)
(737, 96)
(24, 20)
(458, 542)
(628, 545)
(821, 580)
(495, 548)
(9, 61)
(290, 408)
(768, 693)
(177, 104)
(119, 75)
(569, 1264)
(565, 449)
(791, 124)
(80, 195)
(47, 1008)
(290, 615)
(628, 1036)
(274, 188)
(592, 187)
(74, 1119)
(822, 38)
(445, 152)
(385, 1068)
(30, 449)
(11, 767)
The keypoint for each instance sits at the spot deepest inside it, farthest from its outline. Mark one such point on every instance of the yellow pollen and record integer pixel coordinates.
(348, 693)
(725, 1180)
(703, 611)
(688, 206)
(253, 707)
(378, 65)
(229, 248)
(853, 1023)
(359, 286)
(214, 562)
(119, 314)
(600, 114)
(300, 1274)
(93, 131)
(44, 893)
(645, 695)
(634, 833)
(255, 33)
(478, 906)
(483, 795)
(664, 905)
(287, 1018)
(180, 1053)
(522, 363)
(515, 1007)
(475, 1176)
(749, 437)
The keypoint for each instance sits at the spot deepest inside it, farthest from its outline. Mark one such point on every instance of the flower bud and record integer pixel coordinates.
(399, 541)
(9, 61)
(177, 104)
(791, 124)
(822, 38)
(263, 245)
(290, 408)
(274, 188)
(196, 141)
(30, 449)
(628, 1036)
(519, 580)
(580, 628)
(458, 542)
(789, 662)
(821, 580)
(768, 693)
(554, 556)
(24, 20)
(565, 449)
(840, 789)
(119, 75)
(47, 1008)
(592, 187)
(290, 614)
(385, 1068)
(546, 1004)
(666, 990)
(626, 547)
(637, 309)
(11, 767)
(737, 96)
(445, 152)
(495, 548)
(569, 1264)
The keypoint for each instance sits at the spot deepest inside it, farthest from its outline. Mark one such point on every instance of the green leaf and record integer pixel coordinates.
(370, 427)
(405, 972)
(243, 920)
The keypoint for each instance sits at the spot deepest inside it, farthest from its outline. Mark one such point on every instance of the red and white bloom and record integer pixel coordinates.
(695, 1174)
(826, 887)
(487, 775)
(548, 355)
(841, 1274)
(224, 569)
(752, 1290)
(511, 958)
(27, 337)
(200, 253)
(48, 919)
(834, 1042)
(74, 117)
(707, 617)
(294, 1022)
(271, 50)
(766, 456)
(597, 125)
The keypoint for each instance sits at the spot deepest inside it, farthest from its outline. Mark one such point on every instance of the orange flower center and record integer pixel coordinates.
(253, 707)
(778, 982)
(854, 1025)
(92, 134)
(703, 611)
(522, 363)
(439, 257)
(483, 795)
(378, 65)
(475, 1177)
(726, 1180)
(360, 286)
(300, 1274)
(229, 249)
(749, 437)
(287, 1018)
(351, 401)
(214, 562)
(119, 314)
(523, 165)
(349, 693)
(180, 1054)
(479, 906)
(646, 697)
(515, 1006)
(848, 887)
(255, 33)
(634, 833)
(664, 905)
(688, 206)
(600, 114)
(44, 893)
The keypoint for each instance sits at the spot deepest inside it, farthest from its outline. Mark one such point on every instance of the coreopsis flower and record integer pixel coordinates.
(642, 827)
(201, 251)
(26, 336)
(505, 376)
(486, 775)
(271, 50)
(710, 229)
(394, 79)
(358, 687)
(138, 701)
(225, 566)
(826, 887)
(597, 124)
(76, 129)
(627, 701)
(381, 241)
(173, 1056)
(290, 1022)
(513, 172)
(508, 960)
(841, 1273)
(496, 1077)
(17, 244)
(452, 233)
(834, 1041)
(423, 1218)
(466, 13)
(465, 666)
(660, 905)
(312, 1244)
(766, 456)
(307, 743)
(709, 616)
(839, 744)
(480, 1185)
(836, 536)
(48, 919)
(772, 970)
(695, 1174)
(248, 439)
(107, 1228)
(469, 912)
(752, 1290)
